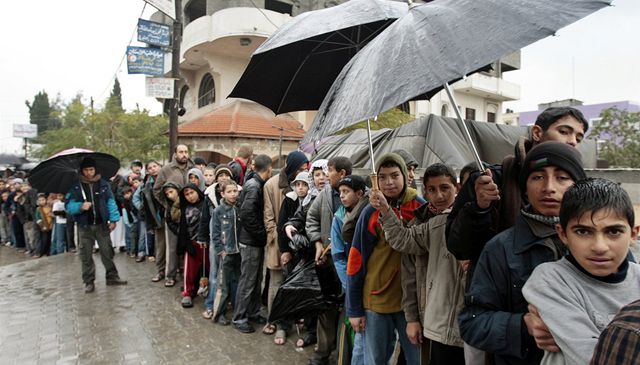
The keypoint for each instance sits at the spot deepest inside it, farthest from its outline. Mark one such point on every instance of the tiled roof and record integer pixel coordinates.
(243, 118)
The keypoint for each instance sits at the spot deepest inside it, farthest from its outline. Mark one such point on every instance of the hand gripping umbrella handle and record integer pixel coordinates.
(373, 175)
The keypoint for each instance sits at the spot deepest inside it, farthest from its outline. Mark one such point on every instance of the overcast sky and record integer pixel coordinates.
(75, 46)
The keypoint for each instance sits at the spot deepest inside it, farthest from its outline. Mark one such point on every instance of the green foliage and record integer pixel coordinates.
(392, 118)
(42, 113)
(620, 132)
(114, 103)
(126, 135)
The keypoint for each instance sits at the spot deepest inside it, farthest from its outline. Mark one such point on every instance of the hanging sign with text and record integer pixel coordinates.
(153, 33)
(158, 87)
(25, 130)
(143, 60)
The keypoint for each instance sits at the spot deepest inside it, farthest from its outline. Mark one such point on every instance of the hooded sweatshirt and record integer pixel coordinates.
(172, 213)
(373, 267)
(190, 214)
(200, 175)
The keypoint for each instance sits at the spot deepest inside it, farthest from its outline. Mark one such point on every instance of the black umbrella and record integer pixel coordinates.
(295, 67)
(59, 172)
(12, 159)
(434, 44)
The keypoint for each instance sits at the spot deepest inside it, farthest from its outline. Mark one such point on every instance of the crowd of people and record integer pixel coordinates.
(525, 262)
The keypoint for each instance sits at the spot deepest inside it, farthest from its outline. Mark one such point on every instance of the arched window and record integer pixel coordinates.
(444, 110)
(183, 94)
(207, 91)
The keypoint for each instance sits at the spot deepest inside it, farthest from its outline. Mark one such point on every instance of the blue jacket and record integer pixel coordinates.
(224, 228)
(103, 201)
(492, 319)
(339, 248)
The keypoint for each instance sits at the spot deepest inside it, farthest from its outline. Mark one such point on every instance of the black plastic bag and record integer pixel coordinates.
(300, 295)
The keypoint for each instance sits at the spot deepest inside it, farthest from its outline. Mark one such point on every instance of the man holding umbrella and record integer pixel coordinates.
(91, 203)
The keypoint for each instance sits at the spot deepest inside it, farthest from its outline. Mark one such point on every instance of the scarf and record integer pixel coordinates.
(85, 180)
(175, 211)
(550, 221)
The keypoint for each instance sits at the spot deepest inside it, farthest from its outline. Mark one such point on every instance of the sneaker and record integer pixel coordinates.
(187, 302)
(244, 327)
(116, 281)
(89, 288)
(140, 258)
(158, 277)
(223, 321)
(207, 314)
(151, 259)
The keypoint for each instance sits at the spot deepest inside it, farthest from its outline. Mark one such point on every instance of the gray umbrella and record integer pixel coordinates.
(431, 46)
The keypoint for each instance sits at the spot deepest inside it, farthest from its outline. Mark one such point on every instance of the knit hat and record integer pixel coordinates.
(303, 176)
(355, 182)
(294, 160)
(408, 158)
(87, 162)
(223, 169)
(199, 161)
(552, 153)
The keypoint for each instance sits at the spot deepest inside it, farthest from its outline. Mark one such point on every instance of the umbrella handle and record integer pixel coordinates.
(374, 181)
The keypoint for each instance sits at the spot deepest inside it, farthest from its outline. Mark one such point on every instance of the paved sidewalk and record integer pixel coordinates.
(46, 318)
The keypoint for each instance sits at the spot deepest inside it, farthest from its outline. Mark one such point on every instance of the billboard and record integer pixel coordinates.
(166, 6)
(143, 60)
(153, 33)
(158, 87)
(25, 130)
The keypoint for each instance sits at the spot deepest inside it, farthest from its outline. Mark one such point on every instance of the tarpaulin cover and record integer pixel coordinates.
(432, 139)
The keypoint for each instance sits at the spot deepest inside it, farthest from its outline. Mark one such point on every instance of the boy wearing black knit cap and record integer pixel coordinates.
(495, 318)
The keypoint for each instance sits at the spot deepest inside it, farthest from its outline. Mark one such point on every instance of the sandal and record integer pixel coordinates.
(269, 329)
(306, 340)
(280, 338)
(157, 278)
(207, 314)
(169, 283)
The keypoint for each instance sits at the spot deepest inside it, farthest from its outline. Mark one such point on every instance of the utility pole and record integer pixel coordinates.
(280, 152)
(175, 74)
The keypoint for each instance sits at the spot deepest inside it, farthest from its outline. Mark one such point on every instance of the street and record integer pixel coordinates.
(46, 318)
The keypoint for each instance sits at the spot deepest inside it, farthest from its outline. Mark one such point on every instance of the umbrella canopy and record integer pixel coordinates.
(12, 159)
(434, 44)
(295, 67)
(59, 172)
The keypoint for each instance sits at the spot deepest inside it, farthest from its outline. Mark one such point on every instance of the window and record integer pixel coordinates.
(491, 117)
(194, 10)
(278, 6)
(444, 110)
(183, 94)
(207, 91)
(470, 113)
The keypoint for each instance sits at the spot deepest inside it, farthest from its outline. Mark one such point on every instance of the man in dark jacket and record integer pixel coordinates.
(252, 239)
(240, 164)
(91, 202)
(495, 317)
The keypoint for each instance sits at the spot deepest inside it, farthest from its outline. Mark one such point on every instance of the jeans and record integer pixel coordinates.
(31, 236)
(248, 296)
(228, 283)
(87, 236)
(213, 278)
(59, 238)
(142, 239)
(380, 337)
(4, 228)
(357, 356)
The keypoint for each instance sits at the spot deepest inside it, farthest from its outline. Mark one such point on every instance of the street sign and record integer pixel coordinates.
(158, 87)
(143, 60)
(25, 130)
(166, 6)
(153, 33)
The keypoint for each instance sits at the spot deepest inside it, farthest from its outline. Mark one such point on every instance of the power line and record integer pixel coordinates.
(115, 74)
(264, 14)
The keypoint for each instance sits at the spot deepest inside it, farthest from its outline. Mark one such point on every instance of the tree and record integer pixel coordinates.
(114, 103)
(128, 136)
(618, 135)
(42, 113)
(392, 118)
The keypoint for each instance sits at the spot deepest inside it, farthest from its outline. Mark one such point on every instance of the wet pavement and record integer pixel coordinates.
(46, 318)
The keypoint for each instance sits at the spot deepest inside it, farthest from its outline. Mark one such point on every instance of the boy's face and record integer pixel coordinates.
(136, 184)
(567, 130)
(42, 201)
(230, 194)
(25, 188)
(153, 169)
(411, 171)
(599, 241)
(301, 189)
(191, 195)
(391, 181)
(440, 191)
(5, 196)
(335, 176)
(545, 189)
(194, 180)
(208, 176)
(349, 197)
(127, 195)
(171, 194)
(89, 172)
(319, 178)
(223, 177)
